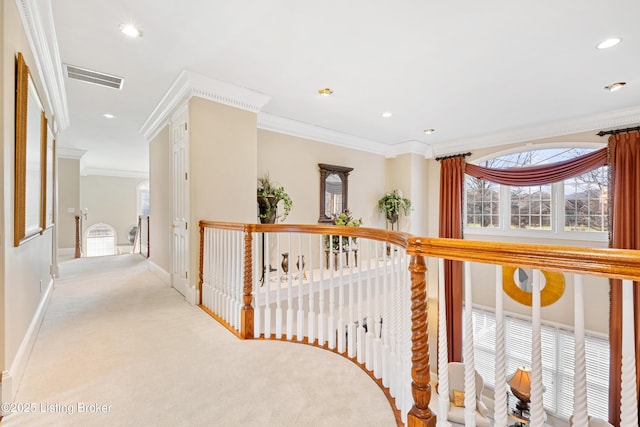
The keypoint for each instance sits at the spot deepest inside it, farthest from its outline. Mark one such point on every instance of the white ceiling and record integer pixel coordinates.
(479, 72)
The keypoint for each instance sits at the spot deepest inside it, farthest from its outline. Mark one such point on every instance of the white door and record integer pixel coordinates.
(180, 200)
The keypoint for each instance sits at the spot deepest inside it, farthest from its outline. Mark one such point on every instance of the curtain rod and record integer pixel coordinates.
(617, 131)
(452, 156)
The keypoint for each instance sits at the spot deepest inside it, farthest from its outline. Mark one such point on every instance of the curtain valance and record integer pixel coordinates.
(543, 174)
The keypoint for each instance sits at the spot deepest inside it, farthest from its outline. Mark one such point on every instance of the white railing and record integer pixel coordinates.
(362, 293)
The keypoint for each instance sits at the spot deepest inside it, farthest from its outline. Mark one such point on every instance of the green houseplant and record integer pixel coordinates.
(392, 203)
(344, 219)
(269, 195)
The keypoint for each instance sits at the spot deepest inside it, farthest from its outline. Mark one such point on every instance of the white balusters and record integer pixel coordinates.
(628, 395)
(300, 266)
(331, 329)
(500, 389)
(322, 321)
(443, 352)
(537, 404)
(289, 321)
(266, 284)
(311, 316)
(257, 306)
(580, 413)
(469, 364)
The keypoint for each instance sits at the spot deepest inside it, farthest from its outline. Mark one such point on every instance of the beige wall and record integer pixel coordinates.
(110, 200)
(293, 163)
(160, 199)
(223, 159)
(68, 198)
(25, 269)
(410, 174)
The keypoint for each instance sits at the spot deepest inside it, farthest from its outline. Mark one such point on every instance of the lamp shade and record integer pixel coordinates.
(520, 383)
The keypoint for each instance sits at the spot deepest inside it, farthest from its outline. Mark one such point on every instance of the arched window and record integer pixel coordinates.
(577, 206)
(101, 240)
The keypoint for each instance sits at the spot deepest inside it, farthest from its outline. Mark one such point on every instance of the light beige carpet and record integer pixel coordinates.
(116, 340)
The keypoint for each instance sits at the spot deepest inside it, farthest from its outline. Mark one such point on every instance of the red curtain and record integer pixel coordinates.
(451, 192)
(540, 175)
(624, 160)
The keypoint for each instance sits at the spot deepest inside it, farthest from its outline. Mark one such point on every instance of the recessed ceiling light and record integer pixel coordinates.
(325, 91)
(609, 43)
(387, 114)
(615, 86)
(429, 131)
(130, 30)
(108, 116)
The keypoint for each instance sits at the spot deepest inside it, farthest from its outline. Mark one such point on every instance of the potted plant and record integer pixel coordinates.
(345, 219)
(269, 195)
(391, 205)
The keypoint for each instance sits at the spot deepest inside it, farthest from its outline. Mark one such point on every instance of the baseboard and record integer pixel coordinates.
(160, 272)
(11, 379)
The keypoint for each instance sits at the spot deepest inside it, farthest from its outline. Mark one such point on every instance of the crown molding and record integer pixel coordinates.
(408, 147)
(305, 130)
(43, 42)
(118, 173)
(70, 153)
(596, 122)
(189, 84)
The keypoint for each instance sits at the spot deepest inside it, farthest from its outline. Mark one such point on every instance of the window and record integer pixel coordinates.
(557, 361)
(577, 205)
(101, 240)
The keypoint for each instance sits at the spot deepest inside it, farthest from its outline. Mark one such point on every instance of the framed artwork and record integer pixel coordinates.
(30, 140)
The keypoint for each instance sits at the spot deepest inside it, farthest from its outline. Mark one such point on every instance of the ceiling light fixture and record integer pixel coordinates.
(130, 30)
(615, 86)
(429, 131)
(108, 116)
(325, 91)
(387, 114)
(609, 43)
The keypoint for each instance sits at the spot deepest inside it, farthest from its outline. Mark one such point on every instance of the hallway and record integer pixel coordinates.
(118, 347)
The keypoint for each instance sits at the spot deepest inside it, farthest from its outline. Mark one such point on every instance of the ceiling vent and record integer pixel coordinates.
(94, 77)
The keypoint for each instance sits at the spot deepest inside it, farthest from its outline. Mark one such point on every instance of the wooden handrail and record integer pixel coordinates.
(603, 262)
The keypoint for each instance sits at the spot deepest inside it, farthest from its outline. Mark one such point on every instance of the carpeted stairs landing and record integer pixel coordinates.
(119, 348)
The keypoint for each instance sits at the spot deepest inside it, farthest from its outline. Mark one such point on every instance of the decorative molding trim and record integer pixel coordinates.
(189, 84)
(160, 272)
(595, 122)
(114, 172)
(24, 351)
(408, 147)
(286, 126)
(41, 36)
(70, 153)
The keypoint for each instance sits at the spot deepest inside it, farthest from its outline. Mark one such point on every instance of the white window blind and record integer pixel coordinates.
(557, 361)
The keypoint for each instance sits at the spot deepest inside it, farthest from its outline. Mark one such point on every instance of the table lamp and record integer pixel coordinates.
(520, 383)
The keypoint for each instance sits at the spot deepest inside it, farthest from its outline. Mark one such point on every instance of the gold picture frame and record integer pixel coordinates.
(31, 131)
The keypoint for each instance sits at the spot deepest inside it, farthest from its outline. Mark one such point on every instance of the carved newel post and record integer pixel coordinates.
(246, 314)
(420, 415)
